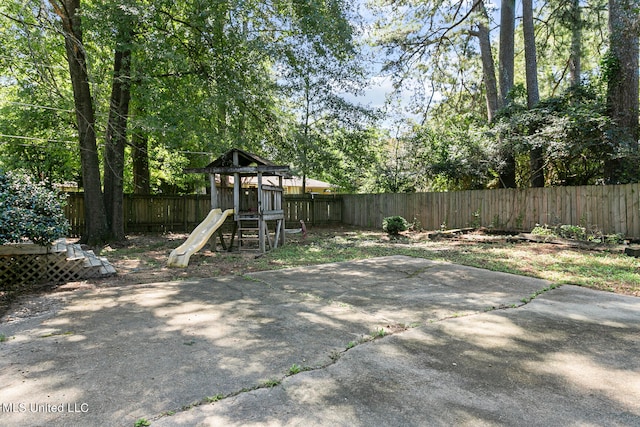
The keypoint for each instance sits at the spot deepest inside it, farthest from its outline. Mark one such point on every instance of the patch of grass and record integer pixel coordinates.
(270, 383)
(142, 422)
(214, 398)
(351, 344)
(539, 292)
(378, 333)
(3, 338)
(153, 263)
(295, 369)
(601, 270)
(598, 270)
(191, 405)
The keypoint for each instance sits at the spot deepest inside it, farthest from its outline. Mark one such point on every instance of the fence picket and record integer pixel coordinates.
(610, 208)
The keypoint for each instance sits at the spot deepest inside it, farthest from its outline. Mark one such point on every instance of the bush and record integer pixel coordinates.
(29, 210)
(576, 232)
(394, 225)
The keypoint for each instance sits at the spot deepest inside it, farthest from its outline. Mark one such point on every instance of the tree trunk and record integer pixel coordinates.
(305, 145)
(506, 72)
(576, 44)
(506, 54)
(622, 91)
(140, 155)
(536, 160)
(96, 230)
(488, 65)
(115, 141)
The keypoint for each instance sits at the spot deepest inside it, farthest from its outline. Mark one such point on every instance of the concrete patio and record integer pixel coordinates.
(387, 341)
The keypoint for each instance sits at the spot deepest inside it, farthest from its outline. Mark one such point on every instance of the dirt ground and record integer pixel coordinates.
(143, 258)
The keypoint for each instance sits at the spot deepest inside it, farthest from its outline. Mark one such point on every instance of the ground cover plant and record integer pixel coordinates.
(577, 232)
(143, 258)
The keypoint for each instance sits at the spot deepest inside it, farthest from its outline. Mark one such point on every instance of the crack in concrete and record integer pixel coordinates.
(336, 354)
(536, 294)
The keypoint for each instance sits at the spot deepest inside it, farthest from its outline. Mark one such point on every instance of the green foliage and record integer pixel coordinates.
(577, 232)
(476, 221)
(207, 76)
(391, 170)
(270, 383)
(542, 230)
(415, 225)
(29, 210)
(142, 422)
(394, 225)
(329, 137)
(36, 106)
(40, 138)
(214, 398)
(572, 129)
(610, 65)
(378, 333)
(295, 369)
(452, 155)
(436, 42)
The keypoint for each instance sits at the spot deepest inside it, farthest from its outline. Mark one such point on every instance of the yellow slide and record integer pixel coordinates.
(198, 238)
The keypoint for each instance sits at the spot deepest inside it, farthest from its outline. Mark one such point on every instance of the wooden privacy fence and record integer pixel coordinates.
(313, 209)
(157, 213)
(609, 208)
(162, 213)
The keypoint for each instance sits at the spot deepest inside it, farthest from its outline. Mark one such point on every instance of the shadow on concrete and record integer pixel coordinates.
(468, 356)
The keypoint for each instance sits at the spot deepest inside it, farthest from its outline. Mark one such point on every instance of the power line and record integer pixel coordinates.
(13, 59)
(34, 138)
(204, 153)
(24, 104)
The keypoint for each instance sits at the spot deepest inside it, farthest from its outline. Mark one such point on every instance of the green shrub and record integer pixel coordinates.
(394, 224)
(29, 210)
(576, 232)
(543, 230)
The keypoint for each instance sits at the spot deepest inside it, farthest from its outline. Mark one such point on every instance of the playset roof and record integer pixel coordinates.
(248, 164)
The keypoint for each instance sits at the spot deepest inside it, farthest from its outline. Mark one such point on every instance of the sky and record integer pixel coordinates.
(380, 87)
